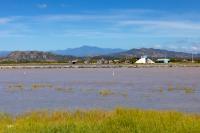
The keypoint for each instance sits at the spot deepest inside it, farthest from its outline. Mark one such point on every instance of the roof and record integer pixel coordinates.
(144, 60)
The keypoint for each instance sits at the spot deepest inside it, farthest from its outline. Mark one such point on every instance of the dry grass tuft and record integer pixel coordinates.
(105, 92)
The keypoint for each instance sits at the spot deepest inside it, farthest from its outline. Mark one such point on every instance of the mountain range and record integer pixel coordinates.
(86, 51)
(4, 53)
(154, 53)
(35, 56)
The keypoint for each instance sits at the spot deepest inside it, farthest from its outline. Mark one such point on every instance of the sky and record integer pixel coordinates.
(61, 24)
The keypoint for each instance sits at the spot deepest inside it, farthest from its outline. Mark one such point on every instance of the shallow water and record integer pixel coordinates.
(24, 90)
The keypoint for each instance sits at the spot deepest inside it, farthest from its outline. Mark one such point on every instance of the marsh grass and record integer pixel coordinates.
(189, 90)
(170, 88)
(120, 120)
(63, 89)
(88, 90)
(105, 92)
(16, 87)
(124, 94)
(185, 89)
(161, 89)
(37, 86)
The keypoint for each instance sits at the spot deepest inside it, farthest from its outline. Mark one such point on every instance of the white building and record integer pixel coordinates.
(144, 60)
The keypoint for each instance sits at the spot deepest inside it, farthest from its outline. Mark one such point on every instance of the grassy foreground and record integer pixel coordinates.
(120, 120)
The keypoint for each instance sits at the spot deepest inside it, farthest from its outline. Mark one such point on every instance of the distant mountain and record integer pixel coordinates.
(31, 56)
(4, 53)
(87, 51)
(35, 56)
(153, 53)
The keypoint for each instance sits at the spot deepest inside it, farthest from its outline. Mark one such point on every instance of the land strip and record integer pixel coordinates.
(32, 66)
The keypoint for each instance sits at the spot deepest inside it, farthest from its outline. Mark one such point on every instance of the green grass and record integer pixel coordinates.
(120, 120)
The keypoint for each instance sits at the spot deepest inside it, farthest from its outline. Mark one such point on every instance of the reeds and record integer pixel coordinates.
(120, 120)
(63, 89)
(185, 89)
(105, 92)
(36, 86)
(189, 90)
(16, 87)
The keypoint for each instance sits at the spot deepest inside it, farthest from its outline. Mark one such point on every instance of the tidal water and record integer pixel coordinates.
(23, 90)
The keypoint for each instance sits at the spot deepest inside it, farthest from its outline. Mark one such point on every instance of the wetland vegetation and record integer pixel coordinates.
(171, 89)
(101, 121)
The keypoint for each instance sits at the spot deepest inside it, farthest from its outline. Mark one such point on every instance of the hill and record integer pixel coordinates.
(31, 56)
(87, 51)
(153, 53)
(4, 53)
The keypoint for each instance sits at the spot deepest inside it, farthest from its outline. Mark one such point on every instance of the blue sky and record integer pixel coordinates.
(61, 24)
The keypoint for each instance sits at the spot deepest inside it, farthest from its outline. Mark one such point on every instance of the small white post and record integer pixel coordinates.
(192, 57)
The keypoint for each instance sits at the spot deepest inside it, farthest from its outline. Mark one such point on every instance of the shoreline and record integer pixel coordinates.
(65, 110)
(62, 66)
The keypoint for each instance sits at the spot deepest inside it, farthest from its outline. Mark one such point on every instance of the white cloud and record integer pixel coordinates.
(78, 17)
(126, 24)
(158, 46)
(162, 24)
(5, 20)
(42, 6)
(186, 45)
(65, 5)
